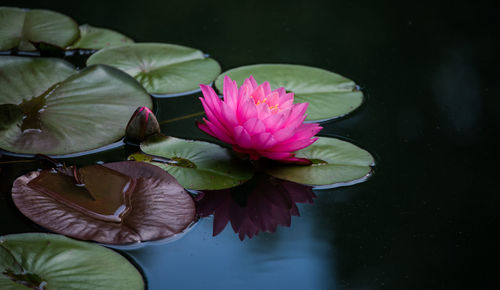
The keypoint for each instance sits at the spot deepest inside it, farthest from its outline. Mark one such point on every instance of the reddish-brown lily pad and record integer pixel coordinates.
(115, 203)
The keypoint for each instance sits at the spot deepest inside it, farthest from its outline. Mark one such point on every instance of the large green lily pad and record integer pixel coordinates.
(51, 261)
(21, 28)
(200, 165)
(97, 38)
(334, 161)
(161, 68)
(329, 95)
(53, 109)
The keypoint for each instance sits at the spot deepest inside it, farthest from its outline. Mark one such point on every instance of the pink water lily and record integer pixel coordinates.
(258, 121)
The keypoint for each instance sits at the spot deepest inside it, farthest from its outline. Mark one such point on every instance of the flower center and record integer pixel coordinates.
(274, 108)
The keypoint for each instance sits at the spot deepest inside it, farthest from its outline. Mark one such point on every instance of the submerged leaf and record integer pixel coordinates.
(22, 29)
(161, 68)
(334, 163)
(196, 164)
(329, 95)
(46, 261)
(64, 111)
(116, 203)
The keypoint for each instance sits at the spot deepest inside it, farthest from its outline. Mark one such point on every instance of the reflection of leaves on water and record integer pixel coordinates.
(261, 204)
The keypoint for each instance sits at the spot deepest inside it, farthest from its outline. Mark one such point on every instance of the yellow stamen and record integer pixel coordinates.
(264, 101)
(274, 107)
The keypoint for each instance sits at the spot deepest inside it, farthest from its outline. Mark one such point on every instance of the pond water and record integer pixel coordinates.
(427, 217)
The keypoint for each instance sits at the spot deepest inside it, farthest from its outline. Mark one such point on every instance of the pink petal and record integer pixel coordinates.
(263, 111)
(258, 94)
(229, 115)
(297, 115)
(253, 82)
(263, 141)
(284, 134)
(305, 132)
(286, 105)
(273, 99)
(267, 88)
(242, 138)
(244, 92)
(246, 110)
(214, 118)
(230, 93)
(211, 97)
(205, 128)
(254, 126)
(281, 91)
(274, 122)
(294, 146)
(215, 131)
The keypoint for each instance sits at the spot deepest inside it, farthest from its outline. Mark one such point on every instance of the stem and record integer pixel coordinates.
(182, 117)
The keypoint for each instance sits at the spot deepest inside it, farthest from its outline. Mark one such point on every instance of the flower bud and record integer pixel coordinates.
(141, 125)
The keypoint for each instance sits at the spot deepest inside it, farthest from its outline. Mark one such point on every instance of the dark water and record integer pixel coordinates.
(427, 219)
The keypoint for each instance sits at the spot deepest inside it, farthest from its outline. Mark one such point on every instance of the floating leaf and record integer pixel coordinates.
(64, 111)
(97, 38)
(196, 164)
(333, 161)
(329, 95)
(21, 28)
(160, 68)
(118, 203)
(47, 261)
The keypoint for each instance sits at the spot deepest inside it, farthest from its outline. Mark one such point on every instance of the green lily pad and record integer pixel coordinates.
(49, 261)
(161, 68)
(197, 165)
(329, 95)
(335, 162)
(98, 38)
(20, 28)
(57, 110)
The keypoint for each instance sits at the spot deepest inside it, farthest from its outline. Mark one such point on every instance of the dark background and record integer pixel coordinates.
(427, 219)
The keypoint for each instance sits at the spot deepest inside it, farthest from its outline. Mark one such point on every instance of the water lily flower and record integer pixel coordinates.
(258, 121)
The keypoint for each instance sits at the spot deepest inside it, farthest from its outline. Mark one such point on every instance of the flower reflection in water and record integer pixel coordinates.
(261, 204)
